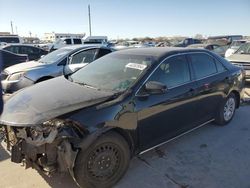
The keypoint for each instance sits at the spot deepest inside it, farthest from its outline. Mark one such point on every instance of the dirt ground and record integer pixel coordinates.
(211, 157)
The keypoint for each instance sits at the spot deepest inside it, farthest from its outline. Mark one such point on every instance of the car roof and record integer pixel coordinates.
(18, 44)
(158, 52)
(74, 47)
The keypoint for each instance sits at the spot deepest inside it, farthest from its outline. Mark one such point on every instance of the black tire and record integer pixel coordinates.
(221, 118)
(104, 163)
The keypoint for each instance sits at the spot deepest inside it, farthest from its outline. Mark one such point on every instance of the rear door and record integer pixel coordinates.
(211, 77)
(164, 116)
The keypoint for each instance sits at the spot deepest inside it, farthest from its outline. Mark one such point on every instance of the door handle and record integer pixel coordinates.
(191, 92)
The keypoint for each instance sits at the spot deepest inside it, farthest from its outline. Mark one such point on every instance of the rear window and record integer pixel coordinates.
(77, 41)
(203, 65)
(10, 39)
(68, 41)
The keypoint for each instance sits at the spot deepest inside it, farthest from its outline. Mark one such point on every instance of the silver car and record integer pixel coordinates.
(63, 61)
(241, 58)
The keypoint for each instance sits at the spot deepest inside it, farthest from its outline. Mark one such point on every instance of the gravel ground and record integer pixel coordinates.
(211, 157)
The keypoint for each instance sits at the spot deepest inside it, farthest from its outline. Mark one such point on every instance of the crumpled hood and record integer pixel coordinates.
(239, 58)
(23, 67)
(47, 100)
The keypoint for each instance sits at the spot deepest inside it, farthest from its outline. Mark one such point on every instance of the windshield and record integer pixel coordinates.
(244, 49)
(236, 44)
(115, 72)
(55, 56)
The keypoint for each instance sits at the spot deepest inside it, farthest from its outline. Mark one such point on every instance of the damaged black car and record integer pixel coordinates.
(90, 123)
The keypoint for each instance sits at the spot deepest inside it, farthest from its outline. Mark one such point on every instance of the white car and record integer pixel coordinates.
(61, 42)
(234, 46)
(7, 39)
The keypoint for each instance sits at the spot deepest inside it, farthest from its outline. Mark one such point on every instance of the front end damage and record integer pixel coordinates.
(49, 147)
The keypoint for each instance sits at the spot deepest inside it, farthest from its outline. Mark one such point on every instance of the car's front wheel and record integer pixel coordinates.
(226, 110)
(103, 163)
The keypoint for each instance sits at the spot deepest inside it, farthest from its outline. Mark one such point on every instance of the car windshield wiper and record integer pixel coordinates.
(85, 84)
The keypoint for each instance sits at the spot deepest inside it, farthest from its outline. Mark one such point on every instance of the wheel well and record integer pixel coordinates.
(128, 138)
(237, 95)
(44, 78)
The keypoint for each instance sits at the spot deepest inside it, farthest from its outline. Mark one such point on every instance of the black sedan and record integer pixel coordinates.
(8, 58)
(33, 52)
(128, 102)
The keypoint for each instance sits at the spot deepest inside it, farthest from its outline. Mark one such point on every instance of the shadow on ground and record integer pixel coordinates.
(59, 180)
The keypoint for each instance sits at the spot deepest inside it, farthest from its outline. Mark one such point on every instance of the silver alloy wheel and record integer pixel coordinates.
(229, 109)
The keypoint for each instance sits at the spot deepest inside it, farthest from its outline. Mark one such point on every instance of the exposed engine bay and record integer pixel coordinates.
(48, 147)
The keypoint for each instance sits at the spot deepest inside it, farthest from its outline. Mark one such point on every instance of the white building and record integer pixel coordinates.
(54, 36)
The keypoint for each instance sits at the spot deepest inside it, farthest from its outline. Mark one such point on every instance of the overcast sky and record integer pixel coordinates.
(127, 18)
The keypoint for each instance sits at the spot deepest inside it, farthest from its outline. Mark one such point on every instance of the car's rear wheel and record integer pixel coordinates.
(103, 163)
(226, 110)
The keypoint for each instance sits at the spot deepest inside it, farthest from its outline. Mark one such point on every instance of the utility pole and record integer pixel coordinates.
(89, 21)
(11, 28)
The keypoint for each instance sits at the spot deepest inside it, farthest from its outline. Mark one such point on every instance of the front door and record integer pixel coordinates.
(163, 116)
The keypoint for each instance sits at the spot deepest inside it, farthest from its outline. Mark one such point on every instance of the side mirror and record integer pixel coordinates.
(63, 62)
(153, 87)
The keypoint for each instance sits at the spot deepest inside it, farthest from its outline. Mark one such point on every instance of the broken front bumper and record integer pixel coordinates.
(49, 147)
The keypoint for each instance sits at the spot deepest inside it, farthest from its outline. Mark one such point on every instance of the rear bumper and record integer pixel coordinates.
(13, 86)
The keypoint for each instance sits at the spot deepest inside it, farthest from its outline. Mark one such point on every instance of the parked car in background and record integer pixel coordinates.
(62, 61)
(122, 104)
(60, 42)
(188, 41)
(241, 58)
(164, 44)
(9, 58)
(227, 38)
(210, 47)
(7, 39)
(220, 50)
(33, 52)
(102, 40)
(234, 46)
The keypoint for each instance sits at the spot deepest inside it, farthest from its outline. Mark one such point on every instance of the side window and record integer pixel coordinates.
(24, 50)
(86, 56)
(13, 49)
(68, 41)
(197, 41)
(28, 50)
(103, 52)
(220, 67)
(77, 41)
(35, 50)
(172, 72)
(203, 65)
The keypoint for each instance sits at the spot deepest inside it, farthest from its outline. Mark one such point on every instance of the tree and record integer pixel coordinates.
(198, 36)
